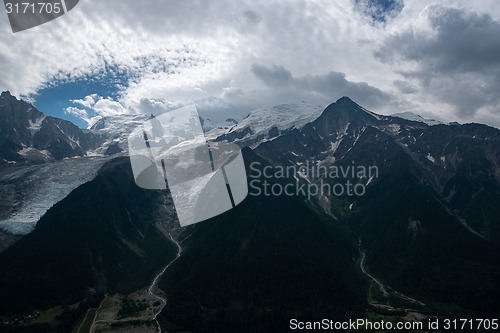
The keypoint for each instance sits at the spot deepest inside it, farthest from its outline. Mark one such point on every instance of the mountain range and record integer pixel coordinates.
(422, 241)
(28, 134)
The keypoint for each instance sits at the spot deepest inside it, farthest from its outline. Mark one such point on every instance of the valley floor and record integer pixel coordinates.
(115, 314)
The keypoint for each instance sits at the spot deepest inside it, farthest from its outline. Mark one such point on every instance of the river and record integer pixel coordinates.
(153, 287)
(363, 269)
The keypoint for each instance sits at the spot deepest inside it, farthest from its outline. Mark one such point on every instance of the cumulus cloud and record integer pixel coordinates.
(231, 57)
(456, 62)
(95, 107)
(88, 102)
(231, 93)
(107, 107)
(83, 115)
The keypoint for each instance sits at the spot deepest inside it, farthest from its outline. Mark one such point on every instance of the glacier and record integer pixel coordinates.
(31, 190)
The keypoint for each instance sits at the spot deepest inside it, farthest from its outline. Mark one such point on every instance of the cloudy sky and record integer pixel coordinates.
(438, 59)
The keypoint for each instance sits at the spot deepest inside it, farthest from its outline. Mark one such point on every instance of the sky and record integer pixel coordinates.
(439, 59)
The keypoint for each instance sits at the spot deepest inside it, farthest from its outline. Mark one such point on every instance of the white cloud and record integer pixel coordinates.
(77, 112)
(82, 114)
(107, 107)
(95, 107)
(177, 53)
(88, 102)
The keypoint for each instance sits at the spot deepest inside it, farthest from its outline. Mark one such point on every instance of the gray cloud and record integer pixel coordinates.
(331, 85)
(405, 87)
(252, 16)
(273, 77)
(459, 63)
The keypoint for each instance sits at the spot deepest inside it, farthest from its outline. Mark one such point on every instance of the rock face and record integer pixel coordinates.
(27, 134)
(460, 163)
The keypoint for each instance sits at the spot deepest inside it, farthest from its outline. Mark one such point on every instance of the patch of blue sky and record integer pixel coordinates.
(379, 10)
(57, 96)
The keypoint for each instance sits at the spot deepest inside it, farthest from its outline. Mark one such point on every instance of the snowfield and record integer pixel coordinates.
(282, 116)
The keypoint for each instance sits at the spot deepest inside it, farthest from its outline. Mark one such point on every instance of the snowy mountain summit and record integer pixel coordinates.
(281, 116)
(267, 122)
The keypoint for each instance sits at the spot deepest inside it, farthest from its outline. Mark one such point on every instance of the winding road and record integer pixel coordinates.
(152, 290)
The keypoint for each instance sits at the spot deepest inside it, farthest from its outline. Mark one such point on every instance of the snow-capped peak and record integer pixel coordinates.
(116, 130)
(282, 116)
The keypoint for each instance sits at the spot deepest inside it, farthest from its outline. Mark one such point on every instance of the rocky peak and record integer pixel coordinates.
(27, 134)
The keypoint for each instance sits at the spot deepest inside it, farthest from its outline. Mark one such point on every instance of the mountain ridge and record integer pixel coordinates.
(112, 244)
(28, 135)
(440, 151)
(426, 227)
